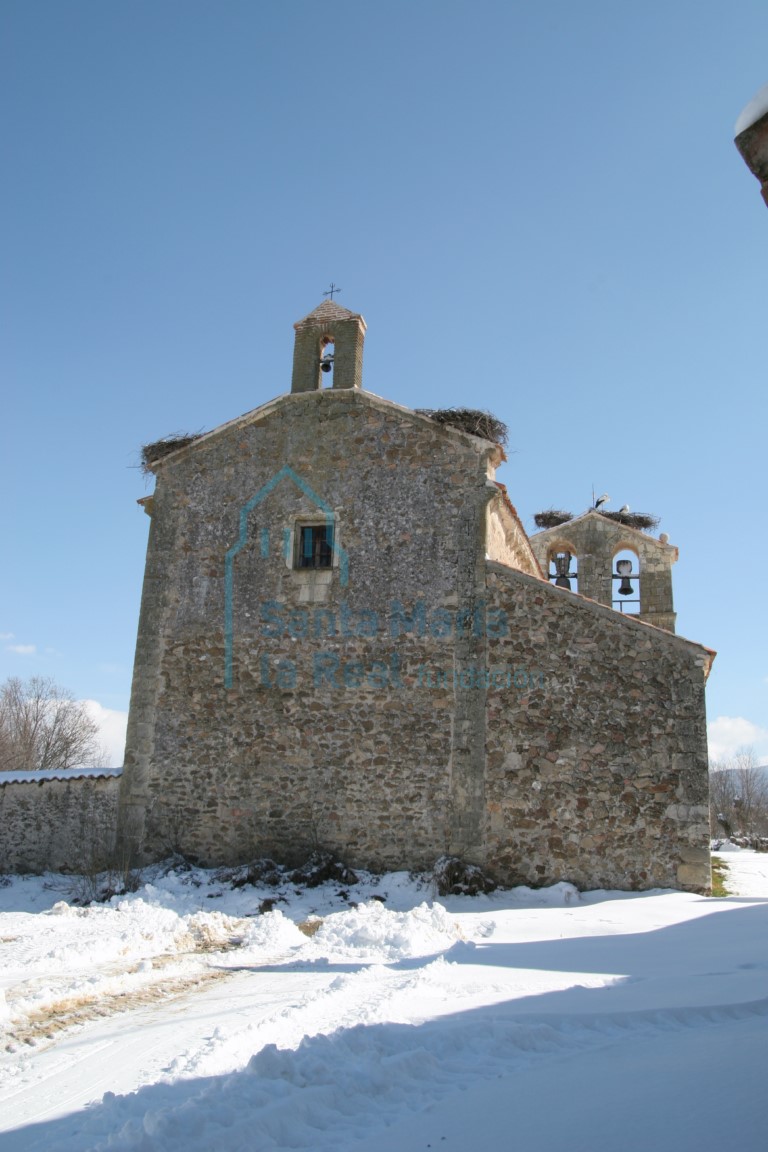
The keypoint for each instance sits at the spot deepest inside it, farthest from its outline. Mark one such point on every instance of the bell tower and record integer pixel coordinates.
(328, 349)
(593, 551)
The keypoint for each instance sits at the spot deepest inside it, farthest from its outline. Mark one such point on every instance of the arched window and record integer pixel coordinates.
(625, 582)
(563, 568)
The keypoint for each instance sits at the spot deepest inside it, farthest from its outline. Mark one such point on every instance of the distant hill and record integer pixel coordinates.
(761, 768)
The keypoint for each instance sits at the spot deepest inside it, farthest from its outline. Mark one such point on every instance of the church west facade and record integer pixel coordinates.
(348, 640)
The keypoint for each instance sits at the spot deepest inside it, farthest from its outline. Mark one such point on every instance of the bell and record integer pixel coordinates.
(562, 566)
(624, 567)
(326, 363)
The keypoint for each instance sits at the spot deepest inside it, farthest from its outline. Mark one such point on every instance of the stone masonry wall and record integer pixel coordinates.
(414, 698)
(325, 734)
(597, 762)
(57, 825)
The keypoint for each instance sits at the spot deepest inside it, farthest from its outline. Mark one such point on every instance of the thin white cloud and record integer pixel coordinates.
(112, 725)
(6, 636)
(22, 649)
(729, 734)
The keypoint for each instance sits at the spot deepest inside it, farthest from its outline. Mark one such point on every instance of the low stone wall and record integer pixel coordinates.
(62, 823)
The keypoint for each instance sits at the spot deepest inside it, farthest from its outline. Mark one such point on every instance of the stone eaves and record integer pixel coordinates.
(515, 516)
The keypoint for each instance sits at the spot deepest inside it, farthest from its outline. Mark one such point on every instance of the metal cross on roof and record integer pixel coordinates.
(331, 290)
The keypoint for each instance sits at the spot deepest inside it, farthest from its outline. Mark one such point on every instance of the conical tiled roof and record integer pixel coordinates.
(327, 313)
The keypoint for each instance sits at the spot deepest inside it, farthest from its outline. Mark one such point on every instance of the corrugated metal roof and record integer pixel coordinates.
(57, 774)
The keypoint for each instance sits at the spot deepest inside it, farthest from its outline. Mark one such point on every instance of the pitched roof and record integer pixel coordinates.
(324, 396)
(327, 313)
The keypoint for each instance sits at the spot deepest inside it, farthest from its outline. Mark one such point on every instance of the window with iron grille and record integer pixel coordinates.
(314, 546)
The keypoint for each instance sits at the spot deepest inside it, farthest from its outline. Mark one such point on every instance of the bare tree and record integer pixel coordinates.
(738, 791)
(43, 726)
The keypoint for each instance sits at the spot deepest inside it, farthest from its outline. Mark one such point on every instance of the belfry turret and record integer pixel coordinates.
(328, 349)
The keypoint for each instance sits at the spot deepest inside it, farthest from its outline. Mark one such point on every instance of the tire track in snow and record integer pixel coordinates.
(355, 1081)
(343, 1002)
(35, 1016)
(75, 1011)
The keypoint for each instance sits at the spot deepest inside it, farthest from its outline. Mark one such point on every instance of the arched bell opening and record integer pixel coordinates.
(625, 582)
(327, 360)
(563, 568)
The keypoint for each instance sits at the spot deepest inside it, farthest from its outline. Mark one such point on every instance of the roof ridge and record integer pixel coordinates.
(327, 310)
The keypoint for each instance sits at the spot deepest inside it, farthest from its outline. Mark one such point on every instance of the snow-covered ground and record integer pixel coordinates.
(180, 1017)
(747, 871)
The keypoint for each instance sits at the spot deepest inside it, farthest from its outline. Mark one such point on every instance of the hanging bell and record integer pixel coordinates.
(326, 363)
(562, 570)
(624, 567)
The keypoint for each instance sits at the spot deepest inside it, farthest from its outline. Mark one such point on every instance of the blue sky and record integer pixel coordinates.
(537, 207)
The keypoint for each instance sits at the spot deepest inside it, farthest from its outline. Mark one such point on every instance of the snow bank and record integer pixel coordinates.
(272, 933)
(372, 932)
(556, 896)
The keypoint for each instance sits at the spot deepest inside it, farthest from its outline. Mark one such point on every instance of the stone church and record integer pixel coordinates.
(347, 640)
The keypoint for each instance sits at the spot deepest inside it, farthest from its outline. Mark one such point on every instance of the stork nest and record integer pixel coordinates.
(471, 420)
(641, 520)
(552, 518)
(152, 454)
